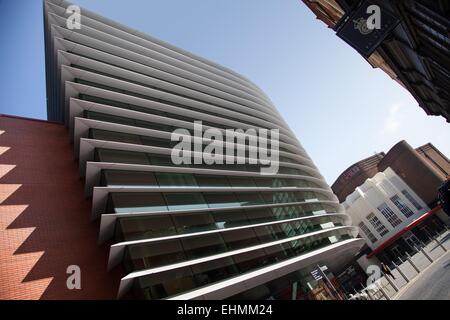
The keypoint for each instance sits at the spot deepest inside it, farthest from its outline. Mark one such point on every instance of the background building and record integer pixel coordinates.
(412, 47)
(392, 198)
(382, 206)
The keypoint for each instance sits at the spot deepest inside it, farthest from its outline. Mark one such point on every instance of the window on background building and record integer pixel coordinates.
(390, 215)
(367, 232)
(407, 212)
(412, 200)
(377, 224)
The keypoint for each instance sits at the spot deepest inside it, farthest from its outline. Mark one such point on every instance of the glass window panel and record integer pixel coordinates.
(402, 206)
(279, 252)
(99, 100)
(217, 200)
(390, 216)
(169, 179)
(160, 160)
(156, 142)
(266, 182)
(259, 215)
(229, 219)
(109, 118)
(248, 199)
(184, 201)
(114, 136)
(367, 232)
(213, 271)
(129, 178)
(193, 222)
(281, 212)
(137, 202)
(297, 183)
(196, 247)
(145, 227)
(120, 156)
(152, 255)
(377, 224)
(153, 125)
(251, 260)
(167, 283)
(241, 181)
(242, 238)
(253, 167)
(411, 199)
(278, 197)
(211, 181)
(269, 233)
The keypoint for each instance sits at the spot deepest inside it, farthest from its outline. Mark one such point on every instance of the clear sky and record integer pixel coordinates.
(340, 108)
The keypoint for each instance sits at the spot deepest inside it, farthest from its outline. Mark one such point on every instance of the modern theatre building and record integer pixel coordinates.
(191, 231)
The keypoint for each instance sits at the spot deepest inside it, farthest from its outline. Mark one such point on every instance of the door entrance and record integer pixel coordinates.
(395, 250)
(412, 240)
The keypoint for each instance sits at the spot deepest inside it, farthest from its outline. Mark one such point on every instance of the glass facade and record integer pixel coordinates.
(147, 255)
(133, 157)
(127, 202)
(181, 227)
(154, 226)
(177, 280)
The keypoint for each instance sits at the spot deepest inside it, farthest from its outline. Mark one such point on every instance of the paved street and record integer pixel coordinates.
(433, 284)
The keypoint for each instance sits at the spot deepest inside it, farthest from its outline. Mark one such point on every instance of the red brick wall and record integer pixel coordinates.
(45, 219)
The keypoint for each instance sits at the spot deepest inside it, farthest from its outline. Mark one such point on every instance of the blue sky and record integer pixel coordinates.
(340, 108)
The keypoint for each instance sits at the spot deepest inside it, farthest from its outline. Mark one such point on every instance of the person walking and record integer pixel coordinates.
(387, 271)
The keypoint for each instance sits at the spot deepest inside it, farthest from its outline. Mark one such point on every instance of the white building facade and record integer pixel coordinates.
(382, 206)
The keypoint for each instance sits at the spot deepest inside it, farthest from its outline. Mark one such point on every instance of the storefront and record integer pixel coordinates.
(417, 234)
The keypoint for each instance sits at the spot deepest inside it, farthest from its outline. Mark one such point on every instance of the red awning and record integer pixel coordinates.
(410, 226)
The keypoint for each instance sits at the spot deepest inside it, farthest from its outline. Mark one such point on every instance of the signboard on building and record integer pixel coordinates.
(351, 172)
(319, 272)
(316, 274)
(365, 27)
